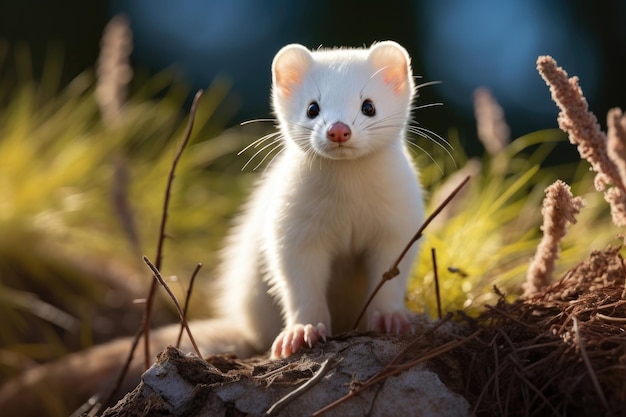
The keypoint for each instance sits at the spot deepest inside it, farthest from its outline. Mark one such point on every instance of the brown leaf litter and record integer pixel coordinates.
(560, 351)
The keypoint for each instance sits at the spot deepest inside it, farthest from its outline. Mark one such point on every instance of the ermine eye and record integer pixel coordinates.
(313, 110)
(367, 108)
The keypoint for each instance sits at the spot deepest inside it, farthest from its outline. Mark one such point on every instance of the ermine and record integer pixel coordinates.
(336, 207)
(329, 216)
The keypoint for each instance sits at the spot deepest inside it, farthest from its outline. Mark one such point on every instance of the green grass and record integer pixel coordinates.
(495, 227)
(70, 253)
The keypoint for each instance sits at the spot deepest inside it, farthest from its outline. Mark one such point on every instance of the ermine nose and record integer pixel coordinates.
(339, 132)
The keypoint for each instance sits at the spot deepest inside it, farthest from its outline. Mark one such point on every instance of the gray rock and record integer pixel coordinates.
(182, 385)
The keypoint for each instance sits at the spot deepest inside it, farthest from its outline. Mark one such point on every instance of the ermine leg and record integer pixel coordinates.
(301, 281)
(387, 312)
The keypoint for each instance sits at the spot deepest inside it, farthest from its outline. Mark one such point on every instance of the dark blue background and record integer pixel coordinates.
(464, 44)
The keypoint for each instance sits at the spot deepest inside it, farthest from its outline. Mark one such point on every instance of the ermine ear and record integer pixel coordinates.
(393, 61)
(289, 68)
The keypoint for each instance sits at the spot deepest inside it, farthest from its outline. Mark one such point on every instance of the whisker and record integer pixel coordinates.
(436, 143)
(258, 142)
(310, 129)
(247, 122)
(382, 125)
(371, 78)
(412, 127)
(308, 159)
(424, 106)
(300, 139)
(426, 133)
(310, 156)
(394, 116)
(259, 151)
(267, 155)
(429, 156)
(389, 126)
(273, 158)
(426, 84)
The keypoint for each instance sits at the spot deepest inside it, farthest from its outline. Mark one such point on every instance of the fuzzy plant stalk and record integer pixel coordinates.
(559, 208)
(113, 69)
(584, 131)
(492, 128)
(616, 144)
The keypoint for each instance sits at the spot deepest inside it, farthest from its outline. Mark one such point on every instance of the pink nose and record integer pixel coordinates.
(338, 132)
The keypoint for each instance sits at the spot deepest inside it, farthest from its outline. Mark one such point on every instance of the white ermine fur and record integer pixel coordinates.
(329, 216)
(329, 212)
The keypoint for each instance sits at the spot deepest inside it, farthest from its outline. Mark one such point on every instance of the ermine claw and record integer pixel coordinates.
(397, 322)
(293, 338)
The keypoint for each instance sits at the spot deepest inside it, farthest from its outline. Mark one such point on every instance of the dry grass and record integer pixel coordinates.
(560, 351)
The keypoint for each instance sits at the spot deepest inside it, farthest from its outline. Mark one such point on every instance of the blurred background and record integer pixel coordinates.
(88, 129)
(465, 45)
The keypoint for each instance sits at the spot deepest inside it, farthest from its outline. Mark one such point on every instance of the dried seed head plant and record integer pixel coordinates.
(616, 136)
(559, 208)
(113, 69)
(492, 128)
(616, 144)
(584, 131)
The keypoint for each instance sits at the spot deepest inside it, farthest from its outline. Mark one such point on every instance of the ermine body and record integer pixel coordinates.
(336, 207)
(329, 216)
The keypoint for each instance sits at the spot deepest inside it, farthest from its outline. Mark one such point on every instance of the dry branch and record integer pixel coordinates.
(433, 253)
(144, 328)
(181, 314)
(162, 234)
(187, 298)
(280, 404)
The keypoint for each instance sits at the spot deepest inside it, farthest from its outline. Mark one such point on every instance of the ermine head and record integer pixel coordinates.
(343, 103)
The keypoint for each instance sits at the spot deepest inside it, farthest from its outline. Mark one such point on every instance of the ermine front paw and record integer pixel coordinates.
(398, 322)
(293, 338)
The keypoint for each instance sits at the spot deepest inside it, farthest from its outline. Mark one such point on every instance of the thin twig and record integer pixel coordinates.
(273, 372)
(434, 255)
(483, 392)
(393, 270)
(609, 318)
(438, 351)
(583, 352)
(509, 316)
(158, 276)
(124, 370)
(159, 250)
(144, 327)
(187, 298)
(90, 407)
(418, 339)
(538, 394)
(381, 376)
(496, 366)
(280, 404)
